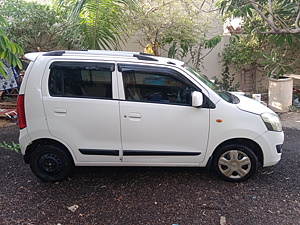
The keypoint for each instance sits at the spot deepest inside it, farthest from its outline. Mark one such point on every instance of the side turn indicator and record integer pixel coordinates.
(219, 120)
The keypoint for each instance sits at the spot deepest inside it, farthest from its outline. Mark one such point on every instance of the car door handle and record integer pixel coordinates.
(135, 115)
(60, 110)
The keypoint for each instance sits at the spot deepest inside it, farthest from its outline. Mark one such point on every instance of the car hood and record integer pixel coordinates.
(252, 106)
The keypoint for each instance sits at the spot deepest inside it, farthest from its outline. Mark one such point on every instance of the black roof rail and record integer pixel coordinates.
(54, 53)
(138, 55)
(143, 53)
(144, 57)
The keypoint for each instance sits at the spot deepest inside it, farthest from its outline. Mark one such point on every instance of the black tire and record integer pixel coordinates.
(235, 163)
(51, 163)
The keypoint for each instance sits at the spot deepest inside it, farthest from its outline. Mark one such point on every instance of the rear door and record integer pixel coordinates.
(158, 122)
(82, 110)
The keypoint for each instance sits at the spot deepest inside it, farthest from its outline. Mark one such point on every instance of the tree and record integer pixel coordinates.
(275, 25)
(243, 54)
(100, 22)
(8, 50)
(179, 28)
(37, 27)
(266, 16)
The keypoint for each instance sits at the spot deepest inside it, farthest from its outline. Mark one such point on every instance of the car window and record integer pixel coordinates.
(80, 80)
(153, 85)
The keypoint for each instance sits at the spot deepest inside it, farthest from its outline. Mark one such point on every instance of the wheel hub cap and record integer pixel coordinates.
(234, 164)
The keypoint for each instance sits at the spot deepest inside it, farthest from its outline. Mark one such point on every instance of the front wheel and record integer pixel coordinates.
(235, 163)
(51, 163)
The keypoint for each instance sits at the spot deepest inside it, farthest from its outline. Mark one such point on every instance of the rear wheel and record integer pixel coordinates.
(235, 163)
(51, 163)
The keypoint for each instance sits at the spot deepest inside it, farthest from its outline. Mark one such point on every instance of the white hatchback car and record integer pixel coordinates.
(106, 108)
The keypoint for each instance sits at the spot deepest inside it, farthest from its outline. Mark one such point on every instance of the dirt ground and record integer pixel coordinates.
(148, 195)
(5, 122)
(290, 120)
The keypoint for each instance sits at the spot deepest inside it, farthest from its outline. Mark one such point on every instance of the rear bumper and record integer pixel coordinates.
(24, 140)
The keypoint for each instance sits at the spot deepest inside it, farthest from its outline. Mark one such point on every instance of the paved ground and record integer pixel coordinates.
(150, 195)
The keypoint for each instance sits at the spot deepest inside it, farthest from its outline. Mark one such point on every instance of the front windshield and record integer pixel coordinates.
(228, 97)
(201, 77)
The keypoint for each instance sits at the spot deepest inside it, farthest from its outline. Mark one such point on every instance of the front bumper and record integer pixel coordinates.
(271, 144)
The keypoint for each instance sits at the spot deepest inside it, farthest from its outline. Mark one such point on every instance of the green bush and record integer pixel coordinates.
(13, 147)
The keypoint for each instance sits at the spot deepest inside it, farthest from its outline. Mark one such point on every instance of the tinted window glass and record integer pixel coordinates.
(156, 87)
(91, 81)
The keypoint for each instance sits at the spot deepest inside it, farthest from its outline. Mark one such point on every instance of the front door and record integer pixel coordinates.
(158, 123)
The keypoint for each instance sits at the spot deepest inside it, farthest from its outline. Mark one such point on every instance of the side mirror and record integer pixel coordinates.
(197, 99)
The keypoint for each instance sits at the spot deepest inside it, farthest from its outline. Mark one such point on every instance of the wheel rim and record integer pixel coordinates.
(234, 164)
(50, 163)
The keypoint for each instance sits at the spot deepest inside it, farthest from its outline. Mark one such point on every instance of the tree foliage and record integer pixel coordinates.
(100, 23)
(8, 50)
(176, 27)
(266, 16)
(35, 27)
(226, 80)
(273, 25)
(242, 51)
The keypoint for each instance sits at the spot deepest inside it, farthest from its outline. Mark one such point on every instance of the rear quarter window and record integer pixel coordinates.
(87, 80)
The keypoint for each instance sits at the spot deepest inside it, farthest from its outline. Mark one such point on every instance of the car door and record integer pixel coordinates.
(82, 109)
(159, 125)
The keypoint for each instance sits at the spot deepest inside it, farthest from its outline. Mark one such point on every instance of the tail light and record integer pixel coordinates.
(21, 112)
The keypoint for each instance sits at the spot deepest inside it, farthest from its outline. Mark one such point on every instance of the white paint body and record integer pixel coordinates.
(117, 124)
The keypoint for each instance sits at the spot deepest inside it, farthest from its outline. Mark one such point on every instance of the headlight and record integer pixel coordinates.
(271, 121)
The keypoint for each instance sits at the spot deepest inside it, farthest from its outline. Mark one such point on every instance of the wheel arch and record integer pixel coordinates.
(44, 141)
(241, 141)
